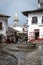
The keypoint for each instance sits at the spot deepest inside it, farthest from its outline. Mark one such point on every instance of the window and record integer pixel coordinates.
(34, 20)
(0, 25)
(42, 19)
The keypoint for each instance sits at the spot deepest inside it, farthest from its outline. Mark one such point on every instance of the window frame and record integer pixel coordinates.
(42, 19)
(1, 25)
(33, 19)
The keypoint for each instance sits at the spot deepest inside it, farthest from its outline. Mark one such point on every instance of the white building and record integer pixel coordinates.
(3, 25)
(35, 22)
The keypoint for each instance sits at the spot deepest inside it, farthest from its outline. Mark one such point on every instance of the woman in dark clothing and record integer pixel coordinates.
(16, 38)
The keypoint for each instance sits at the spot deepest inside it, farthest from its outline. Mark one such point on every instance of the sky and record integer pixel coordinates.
(10, 7)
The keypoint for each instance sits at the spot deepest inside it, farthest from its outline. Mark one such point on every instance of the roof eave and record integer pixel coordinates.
(3, 15)
(32, 11)
(25, 13)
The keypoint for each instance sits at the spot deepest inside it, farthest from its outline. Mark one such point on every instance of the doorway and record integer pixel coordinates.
(0, 38)
(36, 33)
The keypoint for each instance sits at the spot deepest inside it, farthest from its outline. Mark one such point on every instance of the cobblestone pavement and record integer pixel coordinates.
(7, 59)
(24, 58)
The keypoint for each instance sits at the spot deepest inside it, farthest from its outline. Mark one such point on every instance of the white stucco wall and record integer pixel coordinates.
(4, 26)
(35, 26)
(41, 32)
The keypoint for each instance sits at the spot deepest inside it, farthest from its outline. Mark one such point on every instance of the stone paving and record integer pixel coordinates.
(7, 59)
(23, 57)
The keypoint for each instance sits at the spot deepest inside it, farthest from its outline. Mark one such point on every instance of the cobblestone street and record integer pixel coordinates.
(7, 59)
(11, 56)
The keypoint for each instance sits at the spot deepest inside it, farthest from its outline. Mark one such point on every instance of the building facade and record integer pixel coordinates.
(35, 22)
(3, 26)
